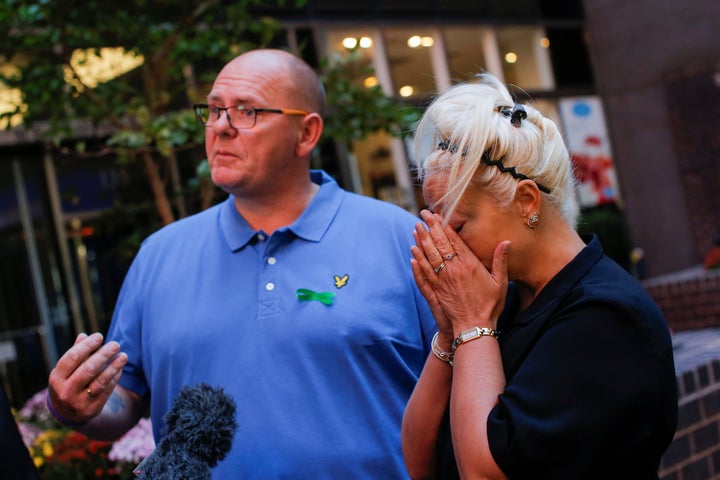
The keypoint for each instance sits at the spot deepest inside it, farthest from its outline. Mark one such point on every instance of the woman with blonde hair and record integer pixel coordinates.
(550, 361)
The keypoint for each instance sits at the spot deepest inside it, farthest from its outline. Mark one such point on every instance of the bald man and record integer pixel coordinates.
(293, 295)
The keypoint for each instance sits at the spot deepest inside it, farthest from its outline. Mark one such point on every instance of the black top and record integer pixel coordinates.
(591, 390)
(15, 461)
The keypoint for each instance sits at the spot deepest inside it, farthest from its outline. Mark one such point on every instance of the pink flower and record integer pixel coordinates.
(135, 445)
(34, 409)
(28, 432)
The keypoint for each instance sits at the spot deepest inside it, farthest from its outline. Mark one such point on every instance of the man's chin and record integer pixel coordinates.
(226, 179)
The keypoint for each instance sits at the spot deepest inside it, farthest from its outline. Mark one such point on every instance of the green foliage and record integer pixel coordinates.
(40, 37)
(356, 111)
(165, 132)
(613, 231)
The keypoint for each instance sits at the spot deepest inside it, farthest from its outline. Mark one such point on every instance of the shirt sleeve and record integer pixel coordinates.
(125, 329)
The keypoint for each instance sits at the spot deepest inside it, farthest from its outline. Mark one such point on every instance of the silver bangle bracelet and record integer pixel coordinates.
(441, 354)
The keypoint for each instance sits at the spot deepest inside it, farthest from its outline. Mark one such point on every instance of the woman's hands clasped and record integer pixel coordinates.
(460, 290)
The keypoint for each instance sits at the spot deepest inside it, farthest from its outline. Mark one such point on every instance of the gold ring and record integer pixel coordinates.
(90, 392)
(439, 267)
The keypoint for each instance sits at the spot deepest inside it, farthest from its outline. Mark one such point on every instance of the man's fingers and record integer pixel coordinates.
(98, 360)
(104, 383)
(82, 364)
(78, 353)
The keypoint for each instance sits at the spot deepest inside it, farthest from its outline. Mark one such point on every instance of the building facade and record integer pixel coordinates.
(657, 69)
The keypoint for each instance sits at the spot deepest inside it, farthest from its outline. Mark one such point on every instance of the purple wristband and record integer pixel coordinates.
(61, 420)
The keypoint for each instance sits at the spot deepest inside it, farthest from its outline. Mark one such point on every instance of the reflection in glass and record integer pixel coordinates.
(464, 52)
(343, 41)
(526, 60)
(408, 51)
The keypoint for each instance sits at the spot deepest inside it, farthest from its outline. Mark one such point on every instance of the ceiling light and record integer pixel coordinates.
(349, 42)
(370, 82)
(406, 91)
(414, 41)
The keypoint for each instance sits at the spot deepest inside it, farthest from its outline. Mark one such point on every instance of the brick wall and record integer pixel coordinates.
(689, 89)
(694, 453)
(690, 301)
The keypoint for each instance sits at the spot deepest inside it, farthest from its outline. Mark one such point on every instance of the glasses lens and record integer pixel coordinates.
(242, 116)
(202, 112)
(239, 116)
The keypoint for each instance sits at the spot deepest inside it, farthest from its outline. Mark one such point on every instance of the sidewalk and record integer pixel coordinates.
(695, 452)
(694, 348)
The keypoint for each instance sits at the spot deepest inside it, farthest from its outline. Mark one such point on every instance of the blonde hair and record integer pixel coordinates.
(478, 122)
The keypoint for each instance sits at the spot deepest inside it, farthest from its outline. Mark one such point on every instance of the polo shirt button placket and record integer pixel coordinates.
(270, 286)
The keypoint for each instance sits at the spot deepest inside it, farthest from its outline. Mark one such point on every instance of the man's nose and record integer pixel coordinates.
(222, 123)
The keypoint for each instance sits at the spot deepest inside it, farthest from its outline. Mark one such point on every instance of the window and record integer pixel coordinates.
(409, 56)
(525, 58)
(465, 52)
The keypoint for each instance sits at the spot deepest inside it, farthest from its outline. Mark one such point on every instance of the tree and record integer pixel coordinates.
(173, 49)
(50, 43)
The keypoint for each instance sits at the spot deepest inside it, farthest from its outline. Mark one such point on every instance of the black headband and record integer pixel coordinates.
(452, 148)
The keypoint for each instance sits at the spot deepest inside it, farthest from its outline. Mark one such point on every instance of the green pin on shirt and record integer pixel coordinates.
(326, 298)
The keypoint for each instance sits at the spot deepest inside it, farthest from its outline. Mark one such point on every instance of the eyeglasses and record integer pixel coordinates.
(239, 116)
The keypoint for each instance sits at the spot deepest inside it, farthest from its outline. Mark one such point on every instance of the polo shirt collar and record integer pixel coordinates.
(317, 217)
(311, 225)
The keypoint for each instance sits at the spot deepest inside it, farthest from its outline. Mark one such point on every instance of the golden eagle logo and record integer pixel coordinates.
(341, 281)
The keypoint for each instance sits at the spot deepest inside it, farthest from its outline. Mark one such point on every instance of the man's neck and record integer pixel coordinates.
(275, 211)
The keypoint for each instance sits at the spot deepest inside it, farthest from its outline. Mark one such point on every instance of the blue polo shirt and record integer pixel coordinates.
(321, 380)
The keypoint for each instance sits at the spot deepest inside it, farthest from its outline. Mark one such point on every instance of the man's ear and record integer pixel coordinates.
(309, 136)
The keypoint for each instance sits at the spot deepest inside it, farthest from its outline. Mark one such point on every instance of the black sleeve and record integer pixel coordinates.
(594, 398)
(14, 456)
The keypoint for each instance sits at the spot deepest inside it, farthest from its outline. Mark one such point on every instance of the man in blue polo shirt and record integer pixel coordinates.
(293, 295)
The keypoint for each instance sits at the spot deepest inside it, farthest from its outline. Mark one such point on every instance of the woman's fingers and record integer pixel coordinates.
(500, 262)
(439, 247)
(421, 279)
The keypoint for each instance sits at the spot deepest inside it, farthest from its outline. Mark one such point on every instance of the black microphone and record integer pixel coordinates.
(199, 430)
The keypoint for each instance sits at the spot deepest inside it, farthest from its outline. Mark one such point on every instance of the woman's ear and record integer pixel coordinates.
(527, 198)
(309, 136)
